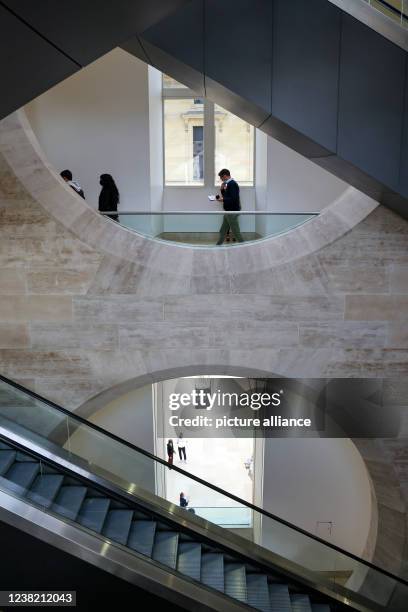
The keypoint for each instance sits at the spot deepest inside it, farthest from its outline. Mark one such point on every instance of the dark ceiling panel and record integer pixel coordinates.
(28, 64)
(181, 35)
(134, 46)
(306, 68)
(372, 75)
(180, 71)
(87, 29)
(238, 48)
(403, 169)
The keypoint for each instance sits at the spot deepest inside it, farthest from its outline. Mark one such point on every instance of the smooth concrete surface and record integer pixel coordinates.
(90, 306)
(328, 480)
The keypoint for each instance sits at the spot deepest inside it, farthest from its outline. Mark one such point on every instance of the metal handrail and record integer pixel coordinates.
(201, 481)
(203, 212)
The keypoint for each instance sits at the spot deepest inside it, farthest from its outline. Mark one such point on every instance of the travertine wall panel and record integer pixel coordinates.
(35, 308)
(86, 306)
(376, 307)
(14, 335)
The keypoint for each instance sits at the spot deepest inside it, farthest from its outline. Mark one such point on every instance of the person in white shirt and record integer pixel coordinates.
(67, 176)
(181, 445)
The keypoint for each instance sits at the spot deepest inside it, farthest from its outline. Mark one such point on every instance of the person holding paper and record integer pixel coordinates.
(231, 201)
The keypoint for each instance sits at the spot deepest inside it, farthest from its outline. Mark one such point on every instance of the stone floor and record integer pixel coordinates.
(220, 462)
(203, 238)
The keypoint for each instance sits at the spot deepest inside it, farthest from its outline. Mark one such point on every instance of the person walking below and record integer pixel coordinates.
(181, 446)
(183, 500)
(231, 201)
(67, 176)
(170, 452)
(109, 196)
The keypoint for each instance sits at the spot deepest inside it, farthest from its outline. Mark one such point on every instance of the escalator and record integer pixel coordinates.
(66, 482)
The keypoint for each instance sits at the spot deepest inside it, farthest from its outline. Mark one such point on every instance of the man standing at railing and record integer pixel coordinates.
(231, 201)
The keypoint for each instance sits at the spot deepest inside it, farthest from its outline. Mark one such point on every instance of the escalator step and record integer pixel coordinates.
(69, 501)
(279, 598)
(257, 592)
(24, 457)
(189, 559)
(22, 475)
(45, 489)
(140, 516)
(141, 537)
(7, 458)
(93, 513)
(117, 525)
(320, 608)
(235, 581)
(165, 548)
(300, 603)
(212, 570)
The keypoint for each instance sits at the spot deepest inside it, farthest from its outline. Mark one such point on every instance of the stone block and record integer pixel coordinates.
(60, 281)
(252, 307)
(399, 278)
(376, 307)
(356, 279)
(73, 336)
(116, 309)
(14, 336)
(344, 334)
(166, 335)
(35, 308)
(254, 334)
(12, 281)
(397, 336)
(43, 364)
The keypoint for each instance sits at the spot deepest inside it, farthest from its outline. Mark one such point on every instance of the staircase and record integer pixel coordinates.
(41, 484)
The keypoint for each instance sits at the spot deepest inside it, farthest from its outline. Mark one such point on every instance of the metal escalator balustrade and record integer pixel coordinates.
(41, 484)
(67, 443)
(395, 9)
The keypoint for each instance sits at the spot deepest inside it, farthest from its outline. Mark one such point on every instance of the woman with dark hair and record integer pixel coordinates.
(109, 196)
(170, 452)
(183, 500)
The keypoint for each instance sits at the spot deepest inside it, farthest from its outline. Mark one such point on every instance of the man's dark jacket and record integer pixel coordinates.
(231, 196)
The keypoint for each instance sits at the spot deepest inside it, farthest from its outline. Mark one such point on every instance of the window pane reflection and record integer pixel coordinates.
(184, 141)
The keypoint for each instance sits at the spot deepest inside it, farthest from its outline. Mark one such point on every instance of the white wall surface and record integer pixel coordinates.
(287, 181)
(307, 481)
(130, 417)
(196, 198)
(98, 121)
(156, 137)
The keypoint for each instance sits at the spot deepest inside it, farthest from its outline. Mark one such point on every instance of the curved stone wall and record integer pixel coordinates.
(86, 305)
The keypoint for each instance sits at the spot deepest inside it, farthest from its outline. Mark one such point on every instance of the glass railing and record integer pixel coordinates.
(52, 431)
(231, 517)
(209, 229)
(394, 9)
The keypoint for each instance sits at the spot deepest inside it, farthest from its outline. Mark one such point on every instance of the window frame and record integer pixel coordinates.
(185, 93)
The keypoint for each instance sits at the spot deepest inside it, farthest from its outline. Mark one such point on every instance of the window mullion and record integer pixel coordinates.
(209, 144)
